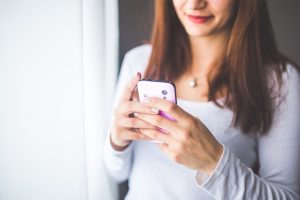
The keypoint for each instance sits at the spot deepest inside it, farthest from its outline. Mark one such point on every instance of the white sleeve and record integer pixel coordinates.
(118, 163)
(278, 154)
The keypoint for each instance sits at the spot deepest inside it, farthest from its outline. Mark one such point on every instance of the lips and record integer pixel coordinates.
(199, 19)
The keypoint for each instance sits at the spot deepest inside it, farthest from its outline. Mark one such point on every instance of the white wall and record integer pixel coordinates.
(42, 147)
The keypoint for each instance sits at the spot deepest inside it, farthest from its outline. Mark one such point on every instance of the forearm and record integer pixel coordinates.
(233, 180)
(118, 163)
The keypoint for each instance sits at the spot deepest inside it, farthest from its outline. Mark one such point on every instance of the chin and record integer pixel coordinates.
(198, 33)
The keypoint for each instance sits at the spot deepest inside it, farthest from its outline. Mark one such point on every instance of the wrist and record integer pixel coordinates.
(215, 160)
(116, 146)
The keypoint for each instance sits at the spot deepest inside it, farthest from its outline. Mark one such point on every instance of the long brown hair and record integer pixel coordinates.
(250, 54)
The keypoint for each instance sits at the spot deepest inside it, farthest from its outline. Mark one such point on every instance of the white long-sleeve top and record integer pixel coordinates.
(152, 175)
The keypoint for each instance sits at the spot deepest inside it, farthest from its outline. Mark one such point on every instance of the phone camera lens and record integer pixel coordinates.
(164, 92)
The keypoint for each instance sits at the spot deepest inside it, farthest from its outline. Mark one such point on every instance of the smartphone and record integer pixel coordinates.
(157, 88)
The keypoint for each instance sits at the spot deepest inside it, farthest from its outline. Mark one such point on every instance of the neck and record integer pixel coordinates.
(206, 53)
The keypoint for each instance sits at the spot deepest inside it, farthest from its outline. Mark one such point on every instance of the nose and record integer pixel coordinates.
(196, 4)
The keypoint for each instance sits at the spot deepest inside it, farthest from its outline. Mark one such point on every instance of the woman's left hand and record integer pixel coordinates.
(187, 140)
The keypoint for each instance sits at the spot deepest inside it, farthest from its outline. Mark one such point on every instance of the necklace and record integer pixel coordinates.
(194, 81)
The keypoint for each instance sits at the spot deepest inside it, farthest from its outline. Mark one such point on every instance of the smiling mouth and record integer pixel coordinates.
(199, 19)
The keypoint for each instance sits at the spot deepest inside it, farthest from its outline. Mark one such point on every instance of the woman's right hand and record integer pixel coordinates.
(125, 127)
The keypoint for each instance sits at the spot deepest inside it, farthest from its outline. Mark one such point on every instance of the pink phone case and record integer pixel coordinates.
(160, 89)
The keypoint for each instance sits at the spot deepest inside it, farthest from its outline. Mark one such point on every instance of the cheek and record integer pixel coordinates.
(222, 9)
(178, 6)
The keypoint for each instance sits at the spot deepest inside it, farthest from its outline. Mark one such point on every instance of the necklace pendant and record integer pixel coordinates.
(192, 83)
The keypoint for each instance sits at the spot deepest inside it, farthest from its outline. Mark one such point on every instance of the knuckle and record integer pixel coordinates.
(180, 148)
(141, 136)
(187, 122)
(155, 135)
(190, 122)
(148, 132)
(131, 123)
(137, 136)
(175, 157)
(170, 107)
(185, 135)
(157, 120)
(152, 134)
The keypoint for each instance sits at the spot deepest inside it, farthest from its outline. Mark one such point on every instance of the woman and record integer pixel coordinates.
(236, 133)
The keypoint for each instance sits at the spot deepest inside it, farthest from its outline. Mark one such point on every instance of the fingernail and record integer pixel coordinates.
(138, 75)
(154, 110)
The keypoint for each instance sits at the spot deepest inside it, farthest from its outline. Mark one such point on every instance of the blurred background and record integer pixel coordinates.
(59, 62)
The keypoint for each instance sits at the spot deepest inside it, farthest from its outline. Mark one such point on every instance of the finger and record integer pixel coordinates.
(164, 148)
(168, 107)
(129, 88)
(143, 137)
(158, 121)
(135, 107)
(134, 123)
(134, 135)
(157, 135)
(135, 96)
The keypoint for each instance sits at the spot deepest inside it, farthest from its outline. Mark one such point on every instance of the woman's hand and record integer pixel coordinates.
(125, 127)
(187, 141)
